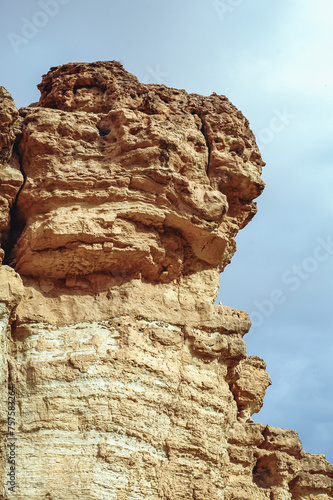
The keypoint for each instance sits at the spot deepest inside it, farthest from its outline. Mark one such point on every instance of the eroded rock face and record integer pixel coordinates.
(132, 178)
(130, 382)
(11, 178)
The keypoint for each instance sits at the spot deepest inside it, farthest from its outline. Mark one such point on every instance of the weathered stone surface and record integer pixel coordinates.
(11, 291)
(130, 382)
(129, 178)
(269, 463)
(248, 383)
(11, 178)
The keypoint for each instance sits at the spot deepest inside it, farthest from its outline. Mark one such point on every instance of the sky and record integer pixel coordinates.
(273, 60)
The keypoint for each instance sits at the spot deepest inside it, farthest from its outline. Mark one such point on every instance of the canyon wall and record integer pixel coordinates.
(119, 207)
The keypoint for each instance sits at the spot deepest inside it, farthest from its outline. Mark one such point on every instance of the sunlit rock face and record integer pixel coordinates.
(122, 176)
(121, 205)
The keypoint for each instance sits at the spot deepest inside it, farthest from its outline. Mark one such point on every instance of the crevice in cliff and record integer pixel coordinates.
(203, 130)
(166, 449)
(17, 222)
(9, 373)
(204, 133)
(164, 155)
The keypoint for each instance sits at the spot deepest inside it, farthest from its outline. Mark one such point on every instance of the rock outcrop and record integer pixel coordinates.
(119, 206)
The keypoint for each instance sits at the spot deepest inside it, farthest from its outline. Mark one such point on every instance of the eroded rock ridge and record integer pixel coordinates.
(119, 207)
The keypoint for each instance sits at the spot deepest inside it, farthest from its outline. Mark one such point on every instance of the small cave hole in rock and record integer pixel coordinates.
(103, 131)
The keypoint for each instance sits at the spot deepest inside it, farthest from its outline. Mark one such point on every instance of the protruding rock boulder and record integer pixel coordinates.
(132, 178)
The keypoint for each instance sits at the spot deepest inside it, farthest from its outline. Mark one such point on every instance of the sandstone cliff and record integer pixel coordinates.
(119, 205)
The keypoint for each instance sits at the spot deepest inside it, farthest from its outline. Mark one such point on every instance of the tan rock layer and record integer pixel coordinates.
(130, 382)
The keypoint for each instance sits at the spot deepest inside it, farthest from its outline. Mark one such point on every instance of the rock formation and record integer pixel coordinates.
(119, 205)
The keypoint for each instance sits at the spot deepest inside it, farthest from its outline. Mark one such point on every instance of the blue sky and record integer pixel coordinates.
(273, 60)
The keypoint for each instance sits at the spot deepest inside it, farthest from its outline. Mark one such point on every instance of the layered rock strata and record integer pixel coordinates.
(130, 382)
